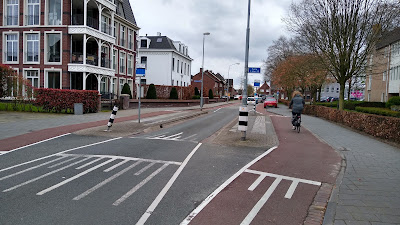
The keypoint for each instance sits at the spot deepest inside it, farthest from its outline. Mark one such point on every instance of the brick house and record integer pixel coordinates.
(380, 84)
(264, 89)
(212, 81)
(70, 44)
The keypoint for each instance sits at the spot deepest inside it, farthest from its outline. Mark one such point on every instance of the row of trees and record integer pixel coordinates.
(333, 40)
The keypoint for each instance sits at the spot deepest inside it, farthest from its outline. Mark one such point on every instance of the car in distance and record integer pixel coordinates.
(270, 101)
(251, 101)
(237, 97)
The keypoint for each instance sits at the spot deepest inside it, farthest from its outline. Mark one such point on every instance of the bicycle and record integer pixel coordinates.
(297, 122)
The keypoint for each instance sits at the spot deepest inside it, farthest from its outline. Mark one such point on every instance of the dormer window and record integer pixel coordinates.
(143, 43)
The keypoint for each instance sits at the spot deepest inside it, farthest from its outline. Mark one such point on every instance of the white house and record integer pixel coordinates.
(167, 62)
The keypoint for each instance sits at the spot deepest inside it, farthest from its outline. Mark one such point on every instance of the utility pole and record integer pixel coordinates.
(246, 67)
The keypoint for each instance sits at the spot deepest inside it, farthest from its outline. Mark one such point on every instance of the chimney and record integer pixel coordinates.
(201, 70)
(158, 33)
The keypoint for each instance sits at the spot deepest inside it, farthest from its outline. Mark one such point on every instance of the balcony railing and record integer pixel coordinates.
(77, 19)
(92, 60)
(11, 20)
(77, 58)
(105, 28)
(93, 23)
(105, 62)
(32, 19)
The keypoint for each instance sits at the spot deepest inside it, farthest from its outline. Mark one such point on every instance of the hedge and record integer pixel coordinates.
(378, 111)
(387, 128)
(59, 100)
(395, 100)
(351, 105)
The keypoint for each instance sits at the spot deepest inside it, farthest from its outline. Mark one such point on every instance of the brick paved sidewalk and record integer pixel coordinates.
(368, 189)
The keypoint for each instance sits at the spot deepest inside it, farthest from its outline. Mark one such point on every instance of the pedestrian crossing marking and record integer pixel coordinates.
(169, 137)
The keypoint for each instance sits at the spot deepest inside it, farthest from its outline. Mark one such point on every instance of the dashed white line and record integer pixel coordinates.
(63, 162)
(89, 163)
(144, 169)
(116, 165)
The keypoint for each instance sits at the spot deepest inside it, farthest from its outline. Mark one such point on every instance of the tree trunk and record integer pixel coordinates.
(349, 91)
(341, 95)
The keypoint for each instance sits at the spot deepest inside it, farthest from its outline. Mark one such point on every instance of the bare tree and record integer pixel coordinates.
(342, 32)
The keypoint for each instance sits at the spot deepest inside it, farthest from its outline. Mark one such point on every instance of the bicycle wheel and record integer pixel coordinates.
(298, 128)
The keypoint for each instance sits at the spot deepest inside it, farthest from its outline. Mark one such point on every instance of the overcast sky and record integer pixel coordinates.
(226, 20)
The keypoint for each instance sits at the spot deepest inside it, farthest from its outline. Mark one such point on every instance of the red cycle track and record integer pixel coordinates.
(298, 156)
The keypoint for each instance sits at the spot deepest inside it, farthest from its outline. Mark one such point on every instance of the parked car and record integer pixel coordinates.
(251, 101)
(332, 99)
(237, 97)
(270, 101)
(325, 99)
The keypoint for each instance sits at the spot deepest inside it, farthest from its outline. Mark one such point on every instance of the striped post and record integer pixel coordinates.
(112, 117)
(243, 119)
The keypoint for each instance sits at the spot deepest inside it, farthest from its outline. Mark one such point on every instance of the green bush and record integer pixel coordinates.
(210, 94)
(378, 111)
(196, 97)
(351, 105)
(151, 92)
(126, 89)
(395, 100)
(173, 94)
(196, 91)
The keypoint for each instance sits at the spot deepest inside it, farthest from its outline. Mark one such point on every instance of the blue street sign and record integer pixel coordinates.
(254, 70)
(197, 81)
(256, 84)
(140, 72)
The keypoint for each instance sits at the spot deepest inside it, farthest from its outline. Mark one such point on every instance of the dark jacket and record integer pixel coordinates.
(297, 103)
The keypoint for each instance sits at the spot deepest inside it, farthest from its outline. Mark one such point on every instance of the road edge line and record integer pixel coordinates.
(203, 204)
(164, 191)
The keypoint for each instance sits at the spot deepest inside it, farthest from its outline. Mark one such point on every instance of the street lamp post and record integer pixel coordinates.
(202, 73)
(228, 78)
(246, 65)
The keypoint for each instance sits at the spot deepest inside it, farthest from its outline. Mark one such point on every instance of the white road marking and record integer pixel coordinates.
(144, 169)
(284, 177)
(101, 142)
(189, 137)
(138, 186)
(63, 162)
(259, 126)
(31, 168)
(164, 191)
(44, 175)
(74, 177)
(220, 188)
(291, 189)
(217, 110)
(256, 183)
(116, 165)
(261, 202)
(89, 163)
(84, 194)
(35, 143)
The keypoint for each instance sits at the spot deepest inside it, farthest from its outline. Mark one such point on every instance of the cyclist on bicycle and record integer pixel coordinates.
(298, 106)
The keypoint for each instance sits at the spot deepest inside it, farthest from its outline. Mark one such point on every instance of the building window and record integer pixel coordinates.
(115, 29)
(177, 66)
(104, 85)
(369, 82)
(181, 67)
(184, 72)
(143, 43)
(115, 59)
(105, 25)
(33, 12)
(143, 60)
(130, 39)
(188, 71)
(122, 63)
(54, 12)
(173, 64)
(33, 77)
(32, 48)
(12, 47)
(53, 79)
(12, 12)
(121, 85)
(53, 47)
(384, 76)
(122, 36)
(130, 65)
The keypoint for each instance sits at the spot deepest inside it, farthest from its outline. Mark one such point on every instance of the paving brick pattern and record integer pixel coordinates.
(368, 191)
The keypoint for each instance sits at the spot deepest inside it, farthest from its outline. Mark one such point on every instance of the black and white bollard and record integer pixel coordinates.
(243, 119)
(112, 117)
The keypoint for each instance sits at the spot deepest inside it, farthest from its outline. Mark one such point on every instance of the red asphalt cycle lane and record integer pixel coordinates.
(285, 178)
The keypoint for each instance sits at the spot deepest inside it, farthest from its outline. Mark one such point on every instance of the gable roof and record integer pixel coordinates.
(164, 43)
(124, 10)
(389, 38)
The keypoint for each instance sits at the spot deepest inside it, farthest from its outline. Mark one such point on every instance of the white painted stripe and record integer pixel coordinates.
(261, 202)
(189, 137)
(291, 189)
(130, 158)
(59, 153)
(73, 178)
(49, 139)
(116, 165)
(138, 186)
(164, 191)
(256, 182)
(89, 163)
(63, 162)
(44, 175)
(259, 126)
(220, 188)
(31, 168)
(243, 118)
(144, 169)
(217, 110)
(174, 135)
(285, 177)
(242, 128)
(84, 194)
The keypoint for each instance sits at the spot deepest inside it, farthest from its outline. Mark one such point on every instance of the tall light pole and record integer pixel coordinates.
(228, 78)
(246, 65)
(202, 73)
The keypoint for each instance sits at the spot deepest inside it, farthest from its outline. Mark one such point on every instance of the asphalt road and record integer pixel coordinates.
(157, 178)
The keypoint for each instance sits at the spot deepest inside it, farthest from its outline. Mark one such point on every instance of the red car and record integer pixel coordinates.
(270, 101)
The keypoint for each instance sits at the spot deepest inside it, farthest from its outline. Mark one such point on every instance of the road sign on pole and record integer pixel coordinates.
(254, 70)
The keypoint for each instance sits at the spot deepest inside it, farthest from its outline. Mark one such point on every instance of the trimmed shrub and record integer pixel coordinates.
(196, 91)
(210, 94)
(351, 105)
(378, 111)
(126, 89)
(173, 94)
(196, 97)
(151, 92)
(395, 100)
(61, 100)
